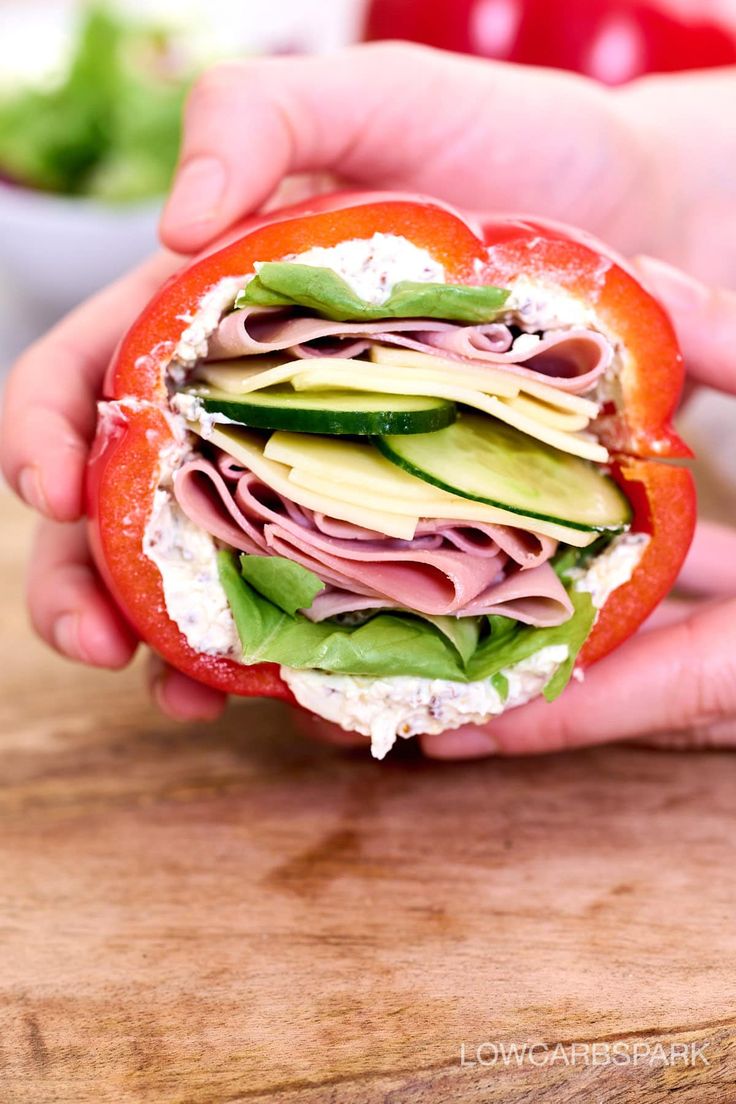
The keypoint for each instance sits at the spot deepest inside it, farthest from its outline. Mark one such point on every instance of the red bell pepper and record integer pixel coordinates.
(136, 431)
(123, 474)
(662, 495)
(652, 372)
(664, 504)
(611, 40)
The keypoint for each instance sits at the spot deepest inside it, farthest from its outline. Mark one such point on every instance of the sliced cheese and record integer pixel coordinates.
(351, 471)
(479, 388)
(489, 380)
(248, 449)
(454, 509)
(565, 420)
(246, 374)
(241, 377)
(358, 464)
(391, 382)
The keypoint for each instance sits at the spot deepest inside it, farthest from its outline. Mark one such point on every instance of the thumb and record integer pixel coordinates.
(249, 124)
(704, 319)
(680, 678)
(401, 117)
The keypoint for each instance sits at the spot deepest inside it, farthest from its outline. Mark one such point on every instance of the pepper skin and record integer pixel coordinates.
(137, 436)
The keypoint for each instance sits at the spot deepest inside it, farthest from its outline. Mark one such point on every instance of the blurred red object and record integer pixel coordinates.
(611, 40)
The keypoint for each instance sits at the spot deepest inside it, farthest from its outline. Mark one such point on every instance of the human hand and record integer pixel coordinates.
(301, 115)
(488, 136)
(48, 419)
(674, 683)
(645, 167)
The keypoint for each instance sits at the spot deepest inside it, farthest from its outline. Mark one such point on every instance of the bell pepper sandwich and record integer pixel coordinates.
(401, 470)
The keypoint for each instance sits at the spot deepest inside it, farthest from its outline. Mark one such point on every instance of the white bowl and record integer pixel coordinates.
(57, 250)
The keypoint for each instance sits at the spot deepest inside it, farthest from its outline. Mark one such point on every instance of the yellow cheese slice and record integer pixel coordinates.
(458, 509)
(566, 420)
(248, 449)
(246, 374)
(358, 472)
(348, 462)
(488, 380)
(241, 377)
(423, 366)
(391, 382)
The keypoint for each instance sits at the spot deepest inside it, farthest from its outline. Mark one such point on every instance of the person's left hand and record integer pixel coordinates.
(49, 414)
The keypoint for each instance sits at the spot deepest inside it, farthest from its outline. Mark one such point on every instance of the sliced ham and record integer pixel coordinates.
(254, 331)
(572, 360)
(448, 569)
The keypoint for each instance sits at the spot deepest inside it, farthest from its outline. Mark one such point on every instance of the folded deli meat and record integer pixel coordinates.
(401, 470)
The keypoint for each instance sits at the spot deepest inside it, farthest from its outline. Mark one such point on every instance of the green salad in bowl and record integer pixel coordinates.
(86, 159)
(110, 128)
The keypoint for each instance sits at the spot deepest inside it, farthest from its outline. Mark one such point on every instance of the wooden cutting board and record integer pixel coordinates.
(194, 914)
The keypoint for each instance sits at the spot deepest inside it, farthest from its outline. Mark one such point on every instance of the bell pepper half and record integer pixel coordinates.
(136, 432)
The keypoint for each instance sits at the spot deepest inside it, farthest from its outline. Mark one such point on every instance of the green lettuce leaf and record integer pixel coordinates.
(509, 642)
(288, 585)
(500, 684)
(388, 644)
(280, 283)
(462, 632)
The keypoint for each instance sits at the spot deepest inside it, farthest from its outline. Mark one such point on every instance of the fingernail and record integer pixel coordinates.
(198, 190)
(31, 490)
(65, 635)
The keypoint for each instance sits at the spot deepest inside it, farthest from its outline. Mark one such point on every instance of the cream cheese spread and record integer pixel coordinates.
(371, 266)
(612, 568)
(186, 556)
(401, 706)
(536, 307)
(192, 345)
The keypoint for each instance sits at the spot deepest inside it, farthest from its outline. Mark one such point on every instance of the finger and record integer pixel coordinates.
(672, 679)
(49, 407)
(315, 728)
(180, 697)
(719, 735)
(710, 567)
(406, 117)
(704, 318)
(68, 607)
(672, 611)
(300, 187)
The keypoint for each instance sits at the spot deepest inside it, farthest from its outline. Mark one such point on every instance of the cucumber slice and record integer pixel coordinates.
(487, 461)
(331, 412)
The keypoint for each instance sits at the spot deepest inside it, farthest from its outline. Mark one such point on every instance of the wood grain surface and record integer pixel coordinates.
(224, 914)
